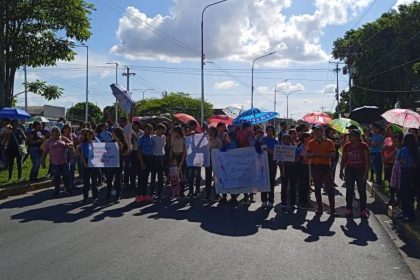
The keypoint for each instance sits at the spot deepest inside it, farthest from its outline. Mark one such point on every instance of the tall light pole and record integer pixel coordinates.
(116, 82)
(87, 80)
(252, 76)
(287, 101)
(275, 94)
(202, 59)
(146, 90)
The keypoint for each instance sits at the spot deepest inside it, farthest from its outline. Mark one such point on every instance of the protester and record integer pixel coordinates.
(135, 164)
(127, 129)
(303, 170)
(158, 147)
(270, 141)
(330, 134)
(15, 148)
(387, 154)
(193, 172)
(89, 173)
(113, 175)
(145, 156)
(376, 142)
(321, 151)
(214, 143)
(56, 147)
(72, 154)
(408, 157)
(288, 179)
(394, 188)
(35, 140)
(178, 151)
(175, 178)
(354, 168)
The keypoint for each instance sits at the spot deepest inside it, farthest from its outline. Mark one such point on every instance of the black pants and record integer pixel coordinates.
(209, 177)
(11, 155)
(113, 180)
(288, 181)
(134, 169)
(303, 179)
(355, 176)
(144, 175)
(272, 169)
(158, 169)
(193, 172)
(407, 190)
(89, 181)
(59, 172)
(127, 167)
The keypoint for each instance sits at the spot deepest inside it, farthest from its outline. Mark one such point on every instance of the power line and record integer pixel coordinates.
(387, 91)
(390, 69)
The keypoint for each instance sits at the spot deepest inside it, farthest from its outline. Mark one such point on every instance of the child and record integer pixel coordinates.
(174, 177)
(288, 179)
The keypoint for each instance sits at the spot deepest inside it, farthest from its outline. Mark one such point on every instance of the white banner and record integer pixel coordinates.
(240, 171)
(284, 153)
(198, 153)
(104, 155)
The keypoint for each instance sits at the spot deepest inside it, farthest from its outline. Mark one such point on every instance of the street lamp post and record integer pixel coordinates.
(275, 94)
(202, 59)
(87, 80)
(287, 101)
(252, 76)
(116, 82)
(142, 90)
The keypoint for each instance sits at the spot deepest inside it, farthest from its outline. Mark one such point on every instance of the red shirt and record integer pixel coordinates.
(388, 150)
(355, 155)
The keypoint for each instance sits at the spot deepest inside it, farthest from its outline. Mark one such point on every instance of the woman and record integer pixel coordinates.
(270, 141)
(72, 155)
(178, 151)
(57, 149)
(303, 171)
(120, 139)
(15, 149)
(330, 134)
(407, 158)
(214, 143)
(89, 173)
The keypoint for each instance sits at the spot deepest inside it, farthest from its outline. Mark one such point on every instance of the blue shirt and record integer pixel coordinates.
(145, 145)
(407, 157)
(85, 147)
(377, 139)
(105, 136)
(232, 145)
(270, 142)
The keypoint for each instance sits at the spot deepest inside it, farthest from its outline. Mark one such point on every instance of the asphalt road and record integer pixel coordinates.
(43, 238)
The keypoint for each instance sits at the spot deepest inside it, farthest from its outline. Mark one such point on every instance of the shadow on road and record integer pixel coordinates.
(360, 233)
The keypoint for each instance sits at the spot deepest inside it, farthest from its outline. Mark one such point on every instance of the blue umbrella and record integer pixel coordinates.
(14, 114)
(249, 112)
(255, 117)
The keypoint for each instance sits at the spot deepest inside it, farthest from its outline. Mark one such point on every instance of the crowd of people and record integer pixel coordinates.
(153, 161)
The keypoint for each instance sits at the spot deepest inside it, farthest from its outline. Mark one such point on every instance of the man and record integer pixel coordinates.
(354, 169)
(158, 147)
(283, 131)
(193, 172)
(321, 151)
(127, 128)
(135, 164)
(376, 142)
(145, 156)
(35, 139)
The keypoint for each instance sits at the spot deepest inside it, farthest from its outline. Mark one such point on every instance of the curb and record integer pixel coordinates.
(23, 188)
(403, 229)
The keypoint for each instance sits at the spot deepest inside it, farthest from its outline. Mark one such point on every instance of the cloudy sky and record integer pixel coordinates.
(160, 41)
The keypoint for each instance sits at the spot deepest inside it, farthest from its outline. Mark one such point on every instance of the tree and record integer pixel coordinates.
(77, 113)
(109, 113)
(31, 34)
(176, 102)
(384, 53)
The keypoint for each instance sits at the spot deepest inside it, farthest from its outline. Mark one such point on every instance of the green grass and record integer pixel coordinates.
(26, 168)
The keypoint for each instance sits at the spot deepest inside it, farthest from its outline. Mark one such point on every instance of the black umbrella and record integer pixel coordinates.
(366, 114)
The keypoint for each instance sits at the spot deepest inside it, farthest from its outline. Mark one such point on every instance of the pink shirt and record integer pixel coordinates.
(57, 151)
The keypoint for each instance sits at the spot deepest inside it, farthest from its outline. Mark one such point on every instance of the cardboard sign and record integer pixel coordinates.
(284, 153)
(198, 153)
(104, 155)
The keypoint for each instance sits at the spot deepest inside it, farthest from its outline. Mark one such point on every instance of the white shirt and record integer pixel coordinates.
(134, 138)
(158, 145)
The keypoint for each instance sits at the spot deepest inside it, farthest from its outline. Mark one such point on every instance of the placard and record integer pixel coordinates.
(240, 171)
(104, 155)
(284, 153)
(198, 153)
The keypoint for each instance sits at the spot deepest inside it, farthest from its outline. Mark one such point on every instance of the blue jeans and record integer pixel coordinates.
(35, 153)
(376, 161)
(194, 172)
(58, 172)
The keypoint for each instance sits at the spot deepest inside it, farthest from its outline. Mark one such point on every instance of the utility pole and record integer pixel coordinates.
(275, 97)
(337, 94)
(26, 89)
(128, 74)
(322, 109)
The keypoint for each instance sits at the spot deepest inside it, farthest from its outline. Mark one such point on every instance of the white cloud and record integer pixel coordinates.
(237, 30)
(403, 2)
(306, 101)
(288, 86)
(225, 85)
(330, 88)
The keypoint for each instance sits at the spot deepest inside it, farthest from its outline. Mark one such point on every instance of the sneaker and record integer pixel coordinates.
(264, 204)
(270, 205)
(349, 213)
(139, 198)
(222, 200)
(364, 214)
